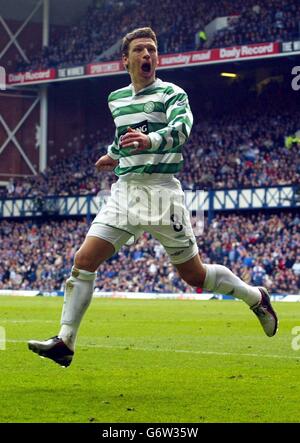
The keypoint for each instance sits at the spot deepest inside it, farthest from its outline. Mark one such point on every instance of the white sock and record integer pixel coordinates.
(221, 280)
(78, 294)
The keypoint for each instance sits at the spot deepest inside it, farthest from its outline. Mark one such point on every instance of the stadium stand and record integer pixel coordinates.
(262, 248)
(256, 144)
(258, 21)
(244, 148)
(262, 21)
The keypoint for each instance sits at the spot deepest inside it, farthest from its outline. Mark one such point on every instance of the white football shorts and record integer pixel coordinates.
(155, 205)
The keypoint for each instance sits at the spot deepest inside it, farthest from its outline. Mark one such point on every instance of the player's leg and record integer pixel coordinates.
(221, 280)
(79, 286)
(178, 239)
(107, 234)
(218, 279)
(77, 297)
(103, 239)
(100, 244)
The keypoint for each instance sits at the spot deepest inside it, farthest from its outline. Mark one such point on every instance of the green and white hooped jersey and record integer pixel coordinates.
(160, 110)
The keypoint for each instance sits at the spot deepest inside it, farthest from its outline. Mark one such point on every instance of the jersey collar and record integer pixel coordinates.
(153, 85)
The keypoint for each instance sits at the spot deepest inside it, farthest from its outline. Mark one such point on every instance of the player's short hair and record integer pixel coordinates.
(137, 33)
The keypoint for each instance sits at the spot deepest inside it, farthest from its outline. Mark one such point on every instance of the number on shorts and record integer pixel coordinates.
(177, 226)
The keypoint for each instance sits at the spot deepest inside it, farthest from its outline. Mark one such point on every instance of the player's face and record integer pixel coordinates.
(142, 60)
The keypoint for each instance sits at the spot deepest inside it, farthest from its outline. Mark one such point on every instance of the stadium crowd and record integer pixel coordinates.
(241, 152)
(263, 249)
(96, 32)
(245, 148)
(265, 21)
(89, 40)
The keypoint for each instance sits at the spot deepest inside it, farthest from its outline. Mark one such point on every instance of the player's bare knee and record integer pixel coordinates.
(83, 261)
(194, 280)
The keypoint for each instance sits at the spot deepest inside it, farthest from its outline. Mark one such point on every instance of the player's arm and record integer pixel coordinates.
(113, 149)
(109, 161)
(106, 163)
(180, 121)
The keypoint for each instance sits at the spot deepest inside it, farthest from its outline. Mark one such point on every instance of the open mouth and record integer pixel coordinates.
(146, 67)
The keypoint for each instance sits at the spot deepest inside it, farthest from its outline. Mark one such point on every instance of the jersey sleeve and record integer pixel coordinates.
(113, 148)
(179, 122)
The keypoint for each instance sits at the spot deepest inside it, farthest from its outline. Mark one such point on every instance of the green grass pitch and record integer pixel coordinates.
(151, 361)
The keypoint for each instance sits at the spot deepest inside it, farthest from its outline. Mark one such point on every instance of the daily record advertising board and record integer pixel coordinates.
(167, 61)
